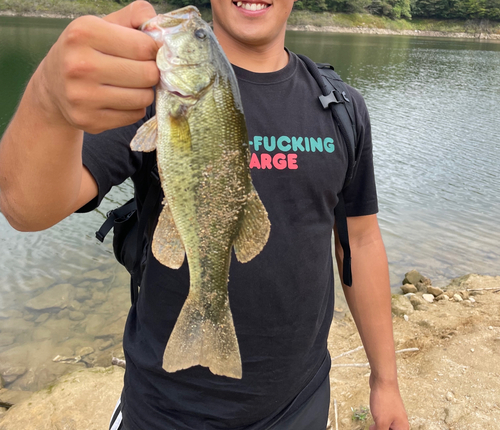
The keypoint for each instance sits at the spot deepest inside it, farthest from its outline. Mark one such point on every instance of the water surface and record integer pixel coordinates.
(434, 109)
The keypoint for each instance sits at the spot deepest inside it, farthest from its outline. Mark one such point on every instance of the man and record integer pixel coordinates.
(98, 78)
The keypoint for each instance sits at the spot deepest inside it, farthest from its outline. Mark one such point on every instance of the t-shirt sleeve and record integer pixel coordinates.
(360, 195)
(109, 159)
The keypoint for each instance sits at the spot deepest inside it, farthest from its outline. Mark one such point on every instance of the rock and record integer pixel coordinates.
(6, 339)
(97, 274)
(86, 350)
(11, 397)
(435, 291)
(409, 288)
(464, 294)
(41, 333)
(82, 400)
(53, 299)
(453, 413)
(107, 344)
(10, 374)
(449, 293)
(428, 298)
(417, 301)
(76, 316)
(472, 299)
(401, 305)
(442, 297)
(414, 277)
(449, 396)
(83, 294)
(74, 306)
(42, 318)
(421, 287)
(474, 281)
(458, 298)
(17, 325)
(98, 297)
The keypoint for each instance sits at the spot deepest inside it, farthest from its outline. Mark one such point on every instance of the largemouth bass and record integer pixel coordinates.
(210, 204)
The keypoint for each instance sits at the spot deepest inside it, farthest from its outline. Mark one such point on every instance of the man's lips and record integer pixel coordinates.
(251, 6)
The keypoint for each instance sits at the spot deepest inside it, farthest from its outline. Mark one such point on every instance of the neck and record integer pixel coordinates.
(260, 59)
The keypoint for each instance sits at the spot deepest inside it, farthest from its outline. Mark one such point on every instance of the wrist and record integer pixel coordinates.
(387, 379)
(43, 99)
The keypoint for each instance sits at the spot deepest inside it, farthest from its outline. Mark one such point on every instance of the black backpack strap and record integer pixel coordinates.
(148, 209)
(122, 212)
(335, 95)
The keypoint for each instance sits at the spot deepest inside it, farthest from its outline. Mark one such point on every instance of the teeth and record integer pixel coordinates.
(251, 6)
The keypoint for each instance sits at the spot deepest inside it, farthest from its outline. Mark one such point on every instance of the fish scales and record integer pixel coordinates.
(210, 203)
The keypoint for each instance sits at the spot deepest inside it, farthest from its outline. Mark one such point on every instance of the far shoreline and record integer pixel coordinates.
(490, 37)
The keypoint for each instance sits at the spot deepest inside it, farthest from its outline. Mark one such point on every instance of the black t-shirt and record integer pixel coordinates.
(282, 300)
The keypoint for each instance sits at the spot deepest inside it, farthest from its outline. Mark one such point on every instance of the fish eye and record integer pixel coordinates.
(200, 33)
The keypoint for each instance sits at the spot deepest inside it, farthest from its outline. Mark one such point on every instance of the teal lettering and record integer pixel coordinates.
(307, 144)
(269, 146)
(257, 142)
(297, 144)
(328, 144)
(316, 144)
(282, 147)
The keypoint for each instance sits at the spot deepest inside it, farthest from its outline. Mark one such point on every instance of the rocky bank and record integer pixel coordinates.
(449, 373)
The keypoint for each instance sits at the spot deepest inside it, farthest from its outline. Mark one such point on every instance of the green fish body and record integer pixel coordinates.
(210, 203)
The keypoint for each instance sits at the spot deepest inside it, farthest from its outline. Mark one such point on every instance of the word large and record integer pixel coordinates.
(278, 161)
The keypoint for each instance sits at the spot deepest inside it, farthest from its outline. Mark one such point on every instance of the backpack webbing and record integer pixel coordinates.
(335, 96)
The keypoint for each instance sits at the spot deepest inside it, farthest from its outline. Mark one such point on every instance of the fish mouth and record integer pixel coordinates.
(251, 6)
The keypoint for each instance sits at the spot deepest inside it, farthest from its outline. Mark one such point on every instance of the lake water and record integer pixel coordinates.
(434, 105)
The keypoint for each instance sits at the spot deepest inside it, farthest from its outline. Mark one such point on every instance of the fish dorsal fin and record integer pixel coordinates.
(254, 230)
(145, 138)
(167, 244)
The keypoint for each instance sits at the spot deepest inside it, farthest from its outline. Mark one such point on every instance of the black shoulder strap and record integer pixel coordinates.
(148, 208)
(112, 216)
(335, 95)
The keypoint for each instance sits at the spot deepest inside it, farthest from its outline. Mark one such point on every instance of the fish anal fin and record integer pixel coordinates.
(145, 138)
(199, 340)
(167, 244)
(254, 230)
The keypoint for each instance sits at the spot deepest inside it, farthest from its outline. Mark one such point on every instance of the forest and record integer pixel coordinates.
(395, 9)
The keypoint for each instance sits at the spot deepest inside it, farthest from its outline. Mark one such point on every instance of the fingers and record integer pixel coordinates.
(100, 72)
(133, 15)
(111, 39)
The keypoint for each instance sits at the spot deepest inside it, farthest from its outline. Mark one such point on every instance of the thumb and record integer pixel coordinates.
(133, 15)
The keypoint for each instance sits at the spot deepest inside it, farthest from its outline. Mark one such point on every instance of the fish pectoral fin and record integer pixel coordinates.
(167, 244)
(254, 230)
(145, 138)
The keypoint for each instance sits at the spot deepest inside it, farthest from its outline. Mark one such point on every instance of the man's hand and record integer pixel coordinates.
(99, 73)
(387, 407)
(97, 76)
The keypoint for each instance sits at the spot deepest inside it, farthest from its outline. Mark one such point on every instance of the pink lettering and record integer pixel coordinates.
(279, 161)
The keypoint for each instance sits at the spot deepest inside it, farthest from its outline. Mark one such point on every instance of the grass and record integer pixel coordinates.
(102, 7)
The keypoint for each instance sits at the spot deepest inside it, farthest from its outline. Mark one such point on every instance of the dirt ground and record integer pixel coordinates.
(452, 382)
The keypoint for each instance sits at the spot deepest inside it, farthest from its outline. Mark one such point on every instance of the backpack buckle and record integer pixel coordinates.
(333, 97)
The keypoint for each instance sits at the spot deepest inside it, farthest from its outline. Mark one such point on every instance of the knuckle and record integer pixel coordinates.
(78, 31)
(77, 66)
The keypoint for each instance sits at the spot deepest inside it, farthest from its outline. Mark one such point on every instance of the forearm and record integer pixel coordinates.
(40, 161)
(369, 301)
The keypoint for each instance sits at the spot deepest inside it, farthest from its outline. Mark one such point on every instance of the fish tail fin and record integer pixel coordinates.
(204, 337)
